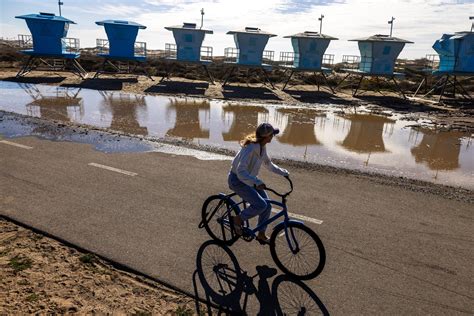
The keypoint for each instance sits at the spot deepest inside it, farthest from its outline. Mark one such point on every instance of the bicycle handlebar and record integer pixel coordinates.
(279, 194)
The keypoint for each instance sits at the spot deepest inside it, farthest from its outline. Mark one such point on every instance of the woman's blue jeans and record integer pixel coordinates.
(256, 199)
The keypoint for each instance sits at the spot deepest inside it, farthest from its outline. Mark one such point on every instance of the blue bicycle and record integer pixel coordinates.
(295, 248)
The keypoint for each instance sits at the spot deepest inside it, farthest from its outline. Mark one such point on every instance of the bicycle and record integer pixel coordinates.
(306, 256)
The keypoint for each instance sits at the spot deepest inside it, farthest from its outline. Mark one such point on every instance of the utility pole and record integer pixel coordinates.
(321, 24)
(472, 25)
(60, 3)
(202, 18)
(391, 25)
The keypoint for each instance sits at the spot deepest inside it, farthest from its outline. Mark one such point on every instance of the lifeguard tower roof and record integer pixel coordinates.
(252, 30)
(380, 38)
(188, 27)
(45, 16)
(120, 22)
(310, 34)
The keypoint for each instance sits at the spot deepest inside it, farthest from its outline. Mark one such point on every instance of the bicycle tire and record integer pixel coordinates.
(293, 297)
(219, 273)
(215, 209)
(310, 245)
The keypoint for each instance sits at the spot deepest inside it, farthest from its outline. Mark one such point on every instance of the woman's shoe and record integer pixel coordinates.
(262, 241)
(236, 227)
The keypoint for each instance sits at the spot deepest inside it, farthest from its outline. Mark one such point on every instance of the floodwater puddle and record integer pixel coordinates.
(324, 134)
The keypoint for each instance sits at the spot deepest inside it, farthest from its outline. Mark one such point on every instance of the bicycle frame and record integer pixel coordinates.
(284, 212)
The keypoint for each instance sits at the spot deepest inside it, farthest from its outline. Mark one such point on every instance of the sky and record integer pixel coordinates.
(420, 21)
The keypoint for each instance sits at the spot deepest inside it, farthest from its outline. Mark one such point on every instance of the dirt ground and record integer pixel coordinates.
(39, 275)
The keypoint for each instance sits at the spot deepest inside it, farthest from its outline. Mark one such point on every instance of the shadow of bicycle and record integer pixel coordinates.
(227, 286)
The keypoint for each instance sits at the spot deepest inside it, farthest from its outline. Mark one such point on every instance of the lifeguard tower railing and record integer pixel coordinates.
(231, 55)
(364, 64)
(69, 46)
(433, 65)
(290, 58)
(103, 47)
(171, 52)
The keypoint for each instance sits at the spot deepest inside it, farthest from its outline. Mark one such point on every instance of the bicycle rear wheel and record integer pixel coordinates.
(216, 212)
(298, 251)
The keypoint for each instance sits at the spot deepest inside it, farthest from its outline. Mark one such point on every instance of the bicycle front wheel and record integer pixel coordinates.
(216, 213)
(298, 251)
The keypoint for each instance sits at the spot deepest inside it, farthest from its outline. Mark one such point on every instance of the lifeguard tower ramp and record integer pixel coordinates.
(378, 55)
(48, 45)
(308, 56)
(188, 49)
(249, 54)
(121, 52)
(452, 66)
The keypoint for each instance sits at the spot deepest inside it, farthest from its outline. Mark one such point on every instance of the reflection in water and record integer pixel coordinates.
(244, 120)
(60, 106)
(187, 124)
(366, 133)
(299, 130)
(124, 107)
(340, 140)
(439, 150)
(236, 292)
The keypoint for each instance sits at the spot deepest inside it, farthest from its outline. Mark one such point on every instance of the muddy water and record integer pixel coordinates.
(331, 135)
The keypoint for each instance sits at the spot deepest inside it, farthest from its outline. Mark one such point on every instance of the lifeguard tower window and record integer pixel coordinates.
(312, 47)
(386, 50)
(252, 29)
(253, 41)
(47, 14)
(188, 38)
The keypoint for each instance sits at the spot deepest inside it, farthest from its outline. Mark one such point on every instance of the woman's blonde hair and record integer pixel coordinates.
(251, 138)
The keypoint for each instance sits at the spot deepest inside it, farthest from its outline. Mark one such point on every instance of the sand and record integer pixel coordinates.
(40, 275)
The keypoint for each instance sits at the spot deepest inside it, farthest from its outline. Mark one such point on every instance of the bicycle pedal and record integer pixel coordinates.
(247, 238)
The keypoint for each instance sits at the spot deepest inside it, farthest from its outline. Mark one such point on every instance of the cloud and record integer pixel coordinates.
(301, 6)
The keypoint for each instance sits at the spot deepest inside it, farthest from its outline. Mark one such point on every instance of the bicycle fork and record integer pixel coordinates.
(291, 240)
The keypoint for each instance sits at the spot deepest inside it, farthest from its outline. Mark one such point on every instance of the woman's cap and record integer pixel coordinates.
(266, 129)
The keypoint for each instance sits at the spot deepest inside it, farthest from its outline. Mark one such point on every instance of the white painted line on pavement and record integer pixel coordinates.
(301, 217)
(128, 173)
(15, 144)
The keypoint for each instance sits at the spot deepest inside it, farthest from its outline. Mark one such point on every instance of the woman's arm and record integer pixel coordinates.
(273, 167)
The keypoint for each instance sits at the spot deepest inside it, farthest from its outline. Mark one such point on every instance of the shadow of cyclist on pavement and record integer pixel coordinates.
(227, 289)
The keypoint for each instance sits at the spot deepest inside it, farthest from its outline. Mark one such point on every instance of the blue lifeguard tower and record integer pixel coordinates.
(249, 53)
(120, 50)
(378, 54)
(308, 54)
(48, 44)
(455, 59)
(188, 48)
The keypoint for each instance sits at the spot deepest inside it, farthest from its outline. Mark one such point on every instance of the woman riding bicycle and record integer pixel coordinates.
(243, 178)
